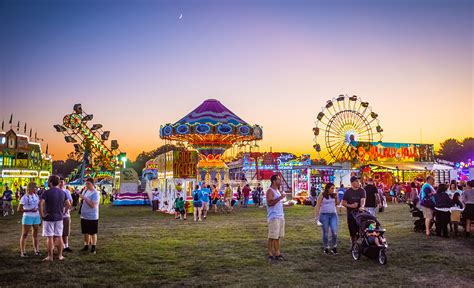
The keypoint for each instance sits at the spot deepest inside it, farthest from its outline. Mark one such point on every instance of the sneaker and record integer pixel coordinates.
(280, 258)
(37, 253)
(86, 248)
(23, 255)
(334, 251)
(93, 250)
(270, 258)
(67, 249)
(326, 250)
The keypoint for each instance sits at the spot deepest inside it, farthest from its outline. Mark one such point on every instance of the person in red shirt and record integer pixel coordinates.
(246, 192)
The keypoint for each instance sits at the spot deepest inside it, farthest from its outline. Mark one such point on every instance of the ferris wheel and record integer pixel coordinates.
(342, 122)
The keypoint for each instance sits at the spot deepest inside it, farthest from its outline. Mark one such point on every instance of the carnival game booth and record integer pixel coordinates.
(22, 161)
(255, 167)
(176, 173)
(388, 163)
(128, 189)
(317, 176)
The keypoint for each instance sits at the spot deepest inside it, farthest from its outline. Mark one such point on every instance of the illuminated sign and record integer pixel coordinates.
(19, 174)
(392, 152)
(174, 164)
(44, 174)
(284, 161)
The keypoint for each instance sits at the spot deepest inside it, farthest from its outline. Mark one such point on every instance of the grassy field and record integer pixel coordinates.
(139, 248)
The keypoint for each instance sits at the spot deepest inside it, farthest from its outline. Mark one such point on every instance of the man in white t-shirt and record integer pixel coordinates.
(66, 217)
(275, 219)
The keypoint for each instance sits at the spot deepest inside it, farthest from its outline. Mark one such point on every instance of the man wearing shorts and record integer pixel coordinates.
(427, 205)
(53, 202)
(275, 219)
(205, 200)
(228, 196)
(7, 201)
(197, 204)
(354, 198)
(66, 217)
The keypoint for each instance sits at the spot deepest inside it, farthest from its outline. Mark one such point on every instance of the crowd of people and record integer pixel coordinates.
(51, 208)
(446, 204)
(207, 198)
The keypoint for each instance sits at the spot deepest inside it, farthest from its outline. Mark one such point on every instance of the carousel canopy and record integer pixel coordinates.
(211, 125)
(212, 111)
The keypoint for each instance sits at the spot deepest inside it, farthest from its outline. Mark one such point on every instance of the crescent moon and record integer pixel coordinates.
(180, 16)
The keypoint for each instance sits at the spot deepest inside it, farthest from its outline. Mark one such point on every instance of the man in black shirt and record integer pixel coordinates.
(354, 198)
(373, 199)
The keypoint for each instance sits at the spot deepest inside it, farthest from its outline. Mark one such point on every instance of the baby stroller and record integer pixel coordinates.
(371, 241)
(420, 222)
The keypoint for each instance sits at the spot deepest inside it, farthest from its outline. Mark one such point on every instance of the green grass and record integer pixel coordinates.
(139, 248)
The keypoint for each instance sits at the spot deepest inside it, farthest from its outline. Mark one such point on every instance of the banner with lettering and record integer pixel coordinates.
(392, 152)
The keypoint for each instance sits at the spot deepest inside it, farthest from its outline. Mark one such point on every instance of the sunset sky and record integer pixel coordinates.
(135, 65)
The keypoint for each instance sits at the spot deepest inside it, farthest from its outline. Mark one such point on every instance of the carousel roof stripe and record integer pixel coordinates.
(212, 111)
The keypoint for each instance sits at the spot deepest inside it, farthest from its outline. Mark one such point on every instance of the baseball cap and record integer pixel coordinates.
(354, 178)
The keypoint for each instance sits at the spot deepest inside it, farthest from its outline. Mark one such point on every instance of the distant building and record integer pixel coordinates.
(22, 161)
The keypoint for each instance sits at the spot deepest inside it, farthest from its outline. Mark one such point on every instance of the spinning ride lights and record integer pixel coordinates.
(211, 129)
(89, 139)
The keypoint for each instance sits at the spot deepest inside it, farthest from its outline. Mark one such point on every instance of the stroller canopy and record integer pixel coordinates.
(364, 218)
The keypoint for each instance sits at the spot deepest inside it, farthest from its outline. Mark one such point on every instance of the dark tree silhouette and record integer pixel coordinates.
(457, 151)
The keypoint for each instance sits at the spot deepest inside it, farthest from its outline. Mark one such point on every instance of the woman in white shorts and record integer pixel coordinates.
(29, 205)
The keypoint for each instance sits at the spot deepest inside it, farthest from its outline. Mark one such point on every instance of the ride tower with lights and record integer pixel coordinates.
(90, 143)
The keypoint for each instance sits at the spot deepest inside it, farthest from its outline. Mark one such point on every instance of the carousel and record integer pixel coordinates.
(211, 129)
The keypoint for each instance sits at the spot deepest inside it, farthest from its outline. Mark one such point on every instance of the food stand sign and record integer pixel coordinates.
(393, 152)
(184, 164)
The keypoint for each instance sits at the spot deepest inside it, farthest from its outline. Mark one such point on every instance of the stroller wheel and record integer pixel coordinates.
(356, 251)
(382, 257)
